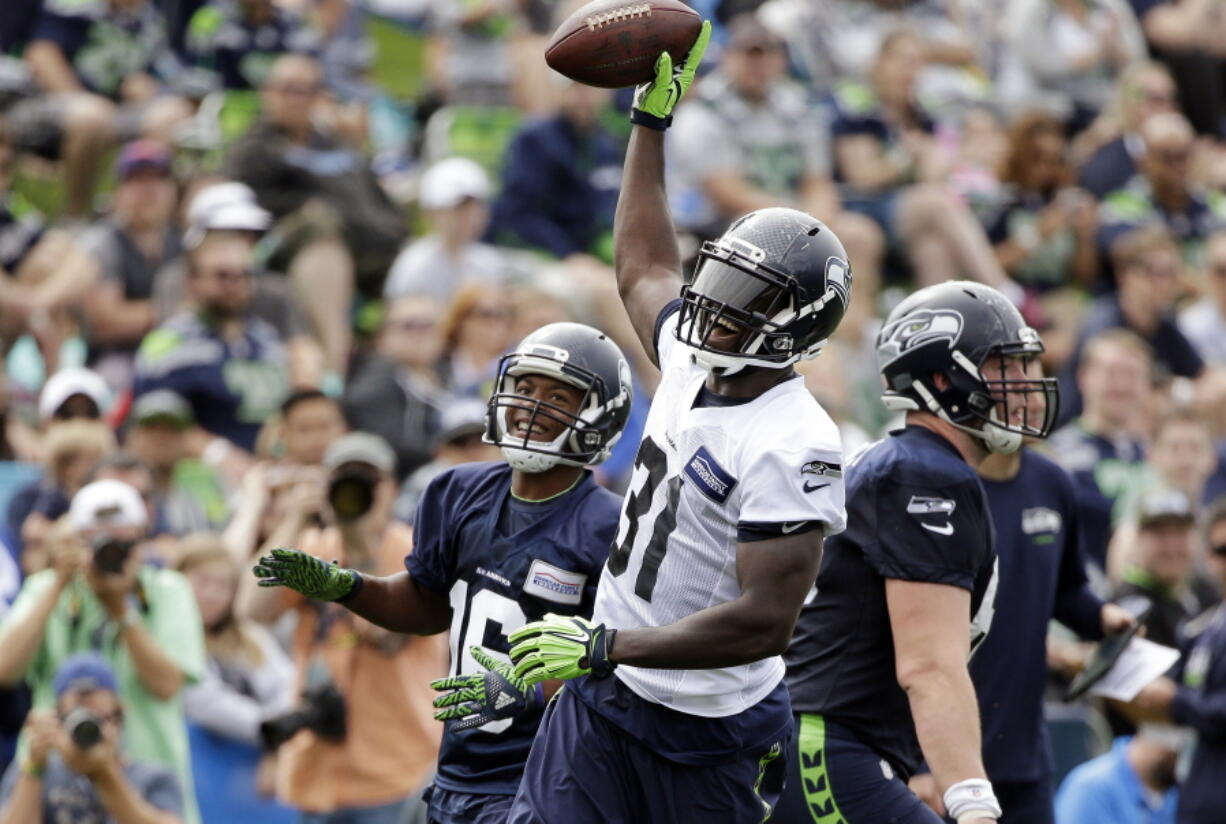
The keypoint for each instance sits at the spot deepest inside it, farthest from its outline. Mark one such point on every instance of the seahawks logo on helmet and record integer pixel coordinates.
(838, 278)
(918, 328)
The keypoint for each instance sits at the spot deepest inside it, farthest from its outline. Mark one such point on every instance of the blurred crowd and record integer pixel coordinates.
(259, 259)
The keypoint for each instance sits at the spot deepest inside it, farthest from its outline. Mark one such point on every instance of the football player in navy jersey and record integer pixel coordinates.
(497, 545)
(674, 708)
(1042, 576)
(878, 666)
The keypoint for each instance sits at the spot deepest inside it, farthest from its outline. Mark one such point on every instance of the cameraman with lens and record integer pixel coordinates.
(362, 739)
(99, 597)
(74, 768)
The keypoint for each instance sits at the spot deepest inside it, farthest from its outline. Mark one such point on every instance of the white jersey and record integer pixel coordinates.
(771, 464)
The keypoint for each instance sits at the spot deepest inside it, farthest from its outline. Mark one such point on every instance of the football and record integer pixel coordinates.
(615, 43)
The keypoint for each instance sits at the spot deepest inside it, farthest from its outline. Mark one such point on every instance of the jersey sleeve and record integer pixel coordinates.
(432, 561)
(932, 533)
(792, 489)
(665, 335)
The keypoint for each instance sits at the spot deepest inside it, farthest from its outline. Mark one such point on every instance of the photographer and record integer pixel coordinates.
(75, 769)
(362, 739)
(97, 596)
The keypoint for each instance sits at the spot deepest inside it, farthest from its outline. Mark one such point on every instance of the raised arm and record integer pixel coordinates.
(645, 253)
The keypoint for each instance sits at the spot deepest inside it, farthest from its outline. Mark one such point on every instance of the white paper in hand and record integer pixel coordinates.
(1138, 665)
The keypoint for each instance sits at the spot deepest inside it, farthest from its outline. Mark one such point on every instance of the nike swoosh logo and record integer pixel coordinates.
(813, 487)
(788, 529)
(948, 529)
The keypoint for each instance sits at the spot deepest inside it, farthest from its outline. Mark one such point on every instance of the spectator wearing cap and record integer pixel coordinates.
(461, 440)
(128, 247)
(226, 363)
(1194, 695)
(455, 195)
(185, 489)
(98, 596)
(399, 393)
(227, 208)
(1159, 561)
(77, 766)
(391, 741)
(88, 102)
(74, 393)
(560, 179)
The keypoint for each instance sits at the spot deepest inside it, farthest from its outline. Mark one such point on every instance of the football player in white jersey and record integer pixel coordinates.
(677, 711)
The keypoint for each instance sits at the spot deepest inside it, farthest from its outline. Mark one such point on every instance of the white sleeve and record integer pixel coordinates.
(793, 476)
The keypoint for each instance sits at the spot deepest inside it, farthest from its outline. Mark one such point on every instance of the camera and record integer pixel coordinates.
(322, 712)
(111, 553)
(83, 727)
(351, 490)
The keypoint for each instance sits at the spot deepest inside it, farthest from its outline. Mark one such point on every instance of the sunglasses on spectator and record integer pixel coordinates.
(225, 274)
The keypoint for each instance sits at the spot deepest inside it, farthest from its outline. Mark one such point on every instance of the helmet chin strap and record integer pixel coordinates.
(994, 436)
(524, 460)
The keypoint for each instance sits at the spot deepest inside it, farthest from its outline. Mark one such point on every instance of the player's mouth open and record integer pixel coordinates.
(521, 428)
(724, 334)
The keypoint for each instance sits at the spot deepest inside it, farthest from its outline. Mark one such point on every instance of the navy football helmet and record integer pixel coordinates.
(584, 358)
(953, 329)
(779, 278)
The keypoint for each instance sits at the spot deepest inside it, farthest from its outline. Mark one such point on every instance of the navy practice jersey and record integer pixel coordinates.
(503, 563)
(916, 512)
(1042, 575)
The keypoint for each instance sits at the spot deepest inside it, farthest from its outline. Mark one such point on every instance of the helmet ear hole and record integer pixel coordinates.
(941, 381)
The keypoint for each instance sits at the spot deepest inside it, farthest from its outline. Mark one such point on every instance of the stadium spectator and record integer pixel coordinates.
(1203, 323)
(1159, 561)
(248, 679)
(185, 489)
(1193, 694)
(1148, 274)
(310, 423)
(336, 226)
(1112, 145)
(227, 364)
(1134, 783)
(471, 62)
(98, 595)
(1188, 37)
(77, 765)
(460, 440)
(238, 40)
(724, 169)
(476, 332)
(399, 394)
(1103, 448)
(560, 178)
(389, 742)
(1043, 230)
(136, 238)
(1181, 456)
(229, 208)
(454, 194)
(891, 170)
(1164, 193)
(71, 450)
(101, 67)
(1071, 53)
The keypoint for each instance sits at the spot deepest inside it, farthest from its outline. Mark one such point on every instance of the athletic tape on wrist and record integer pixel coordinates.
(972, 795)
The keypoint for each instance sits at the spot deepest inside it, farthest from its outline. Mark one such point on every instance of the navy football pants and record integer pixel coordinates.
(835, 779)
(584, 770)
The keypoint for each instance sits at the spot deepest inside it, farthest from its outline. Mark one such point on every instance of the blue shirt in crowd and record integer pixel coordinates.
(1106, 790)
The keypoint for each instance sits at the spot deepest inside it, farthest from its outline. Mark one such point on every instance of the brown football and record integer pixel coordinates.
(615, 43)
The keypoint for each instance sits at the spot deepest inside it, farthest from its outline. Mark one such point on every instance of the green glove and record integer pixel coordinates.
(473, 700)
(654, 101)
(307, 574)
(561, 646)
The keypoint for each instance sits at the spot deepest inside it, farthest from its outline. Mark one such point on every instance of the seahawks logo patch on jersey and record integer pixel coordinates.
(826, 469)
(710, 478)
(923, 505)
(916, 329)
(1039, 519)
